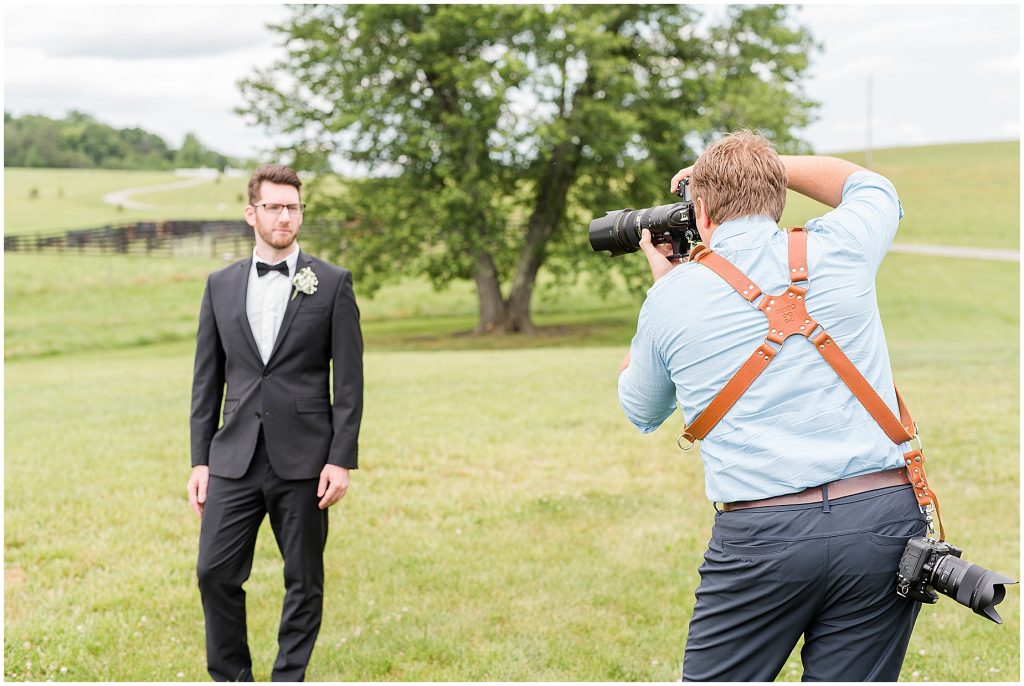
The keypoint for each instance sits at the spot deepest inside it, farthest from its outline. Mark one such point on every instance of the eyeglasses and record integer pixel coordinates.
(275, 208)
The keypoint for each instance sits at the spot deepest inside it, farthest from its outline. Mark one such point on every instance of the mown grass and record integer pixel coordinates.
(507, 523)
(58, 304)
(957, 194)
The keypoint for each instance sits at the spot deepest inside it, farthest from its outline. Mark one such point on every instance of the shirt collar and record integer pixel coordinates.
(292, 260)
(749, 225)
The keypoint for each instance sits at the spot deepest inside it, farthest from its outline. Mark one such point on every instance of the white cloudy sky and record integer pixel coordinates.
(940, 73)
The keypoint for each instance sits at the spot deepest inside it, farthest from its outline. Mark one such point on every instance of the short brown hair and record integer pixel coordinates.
(274, 173)
(738, 175)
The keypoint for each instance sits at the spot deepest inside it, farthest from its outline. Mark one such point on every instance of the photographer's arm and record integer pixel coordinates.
(866, 208)
(646, 389)
(819, 178)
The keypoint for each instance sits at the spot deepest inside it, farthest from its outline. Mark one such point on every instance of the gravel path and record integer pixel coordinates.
(995, 254)
(122, 197)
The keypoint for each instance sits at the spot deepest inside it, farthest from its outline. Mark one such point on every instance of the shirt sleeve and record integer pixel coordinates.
(646, 390)
(867, 217)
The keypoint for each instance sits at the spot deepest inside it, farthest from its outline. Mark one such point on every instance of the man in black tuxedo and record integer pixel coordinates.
(269, 328)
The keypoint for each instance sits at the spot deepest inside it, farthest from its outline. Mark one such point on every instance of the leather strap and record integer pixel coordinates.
(836, 489)
(728, 396)
(782, 324)
(922, 491)
(797, 254)
(730, 274)
(787, 316)
(896, 431)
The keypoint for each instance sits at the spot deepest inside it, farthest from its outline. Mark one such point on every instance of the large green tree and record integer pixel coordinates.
(491, 135)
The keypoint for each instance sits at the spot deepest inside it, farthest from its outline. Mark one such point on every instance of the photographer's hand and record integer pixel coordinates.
(680, 175)
(657, 255)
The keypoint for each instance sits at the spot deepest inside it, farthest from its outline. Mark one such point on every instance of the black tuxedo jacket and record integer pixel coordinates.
(290, 395)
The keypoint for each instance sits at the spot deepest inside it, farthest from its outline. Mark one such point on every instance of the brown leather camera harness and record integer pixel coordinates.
(787, 316)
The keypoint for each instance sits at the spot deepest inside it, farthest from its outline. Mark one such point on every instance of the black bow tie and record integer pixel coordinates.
(262, 268)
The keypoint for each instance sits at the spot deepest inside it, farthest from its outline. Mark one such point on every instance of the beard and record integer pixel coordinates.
(278, 241)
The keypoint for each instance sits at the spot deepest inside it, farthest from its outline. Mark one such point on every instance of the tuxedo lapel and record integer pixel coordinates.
(293, 305)
(240, 287)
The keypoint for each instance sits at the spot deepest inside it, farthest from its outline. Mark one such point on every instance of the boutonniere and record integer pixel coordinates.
(305, 282)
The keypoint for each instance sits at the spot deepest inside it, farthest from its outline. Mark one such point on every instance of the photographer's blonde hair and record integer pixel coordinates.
(738, 175)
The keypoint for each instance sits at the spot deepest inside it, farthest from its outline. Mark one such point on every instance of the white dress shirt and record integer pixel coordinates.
(266, 298)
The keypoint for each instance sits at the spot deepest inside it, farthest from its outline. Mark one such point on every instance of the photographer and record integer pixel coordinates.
(816, 503)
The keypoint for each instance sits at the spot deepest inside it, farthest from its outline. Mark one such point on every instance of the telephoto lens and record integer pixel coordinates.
(619, 231)
(615, 232)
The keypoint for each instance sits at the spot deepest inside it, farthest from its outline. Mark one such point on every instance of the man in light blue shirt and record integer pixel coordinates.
(786, 559)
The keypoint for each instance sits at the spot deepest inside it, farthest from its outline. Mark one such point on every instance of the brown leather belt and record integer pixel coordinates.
(836, 489)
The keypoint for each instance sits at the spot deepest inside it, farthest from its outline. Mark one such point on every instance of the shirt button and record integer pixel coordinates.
(257, 413)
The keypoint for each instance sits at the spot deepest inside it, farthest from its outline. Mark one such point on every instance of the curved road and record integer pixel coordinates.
(122, 196)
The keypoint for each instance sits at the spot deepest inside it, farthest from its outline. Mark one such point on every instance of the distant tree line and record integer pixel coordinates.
(80, 141)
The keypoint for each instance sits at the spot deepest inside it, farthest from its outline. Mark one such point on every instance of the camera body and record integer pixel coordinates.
(928, 565)
(913, 578)
(619, 231)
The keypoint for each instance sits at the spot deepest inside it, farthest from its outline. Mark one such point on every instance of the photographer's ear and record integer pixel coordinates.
(703, 220)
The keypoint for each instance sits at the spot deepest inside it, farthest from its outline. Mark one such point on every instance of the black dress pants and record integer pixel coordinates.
(826, 571)
(231, 520)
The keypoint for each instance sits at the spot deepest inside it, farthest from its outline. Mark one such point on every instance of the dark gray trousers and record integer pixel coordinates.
(234, 510)
(826, 571)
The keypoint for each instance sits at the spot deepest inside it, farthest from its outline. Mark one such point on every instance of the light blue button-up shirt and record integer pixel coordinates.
(798, 425)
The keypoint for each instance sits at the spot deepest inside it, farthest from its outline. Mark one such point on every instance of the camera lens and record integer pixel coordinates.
(619, 231)
(615, 232)
(971, 585)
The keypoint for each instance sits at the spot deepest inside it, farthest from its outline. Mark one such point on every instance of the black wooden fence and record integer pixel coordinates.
(194, 238)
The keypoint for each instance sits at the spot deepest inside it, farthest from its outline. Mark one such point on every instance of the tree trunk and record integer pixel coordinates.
(488, 292)
(547, 213)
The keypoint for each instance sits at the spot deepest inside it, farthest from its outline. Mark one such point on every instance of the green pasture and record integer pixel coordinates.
(56, 305)
(958, 194)
(507, 522)
(45, 200)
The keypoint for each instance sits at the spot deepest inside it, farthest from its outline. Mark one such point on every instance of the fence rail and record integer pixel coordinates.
(173, 238)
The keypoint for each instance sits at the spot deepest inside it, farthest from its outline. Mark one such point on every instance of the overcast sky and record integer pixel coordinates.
(939, 73)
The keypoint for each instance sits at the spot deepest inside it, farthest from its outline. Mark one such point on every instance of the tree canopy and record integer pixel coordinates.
(492, 134)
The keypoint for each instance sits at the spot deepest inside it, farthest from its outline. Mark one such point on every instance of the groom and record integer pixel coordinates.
(269, 328)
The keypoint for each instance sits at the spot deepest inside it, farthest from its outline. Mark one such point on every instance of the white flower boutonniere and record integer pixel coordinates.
(305, 282)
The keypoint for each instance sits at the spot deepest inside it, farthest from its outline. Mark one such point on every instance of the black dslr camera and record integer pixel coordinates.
(928, 564)
(619, 231)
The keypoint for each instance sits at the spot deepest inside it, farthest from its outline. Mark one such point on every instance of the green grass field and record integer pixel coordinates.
(45, 200)
(958, 194)
(940, 186)
(507, 522)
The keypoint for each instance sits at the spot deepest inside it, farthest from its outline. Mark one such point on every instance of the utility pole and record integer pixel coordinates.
(867, 151)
